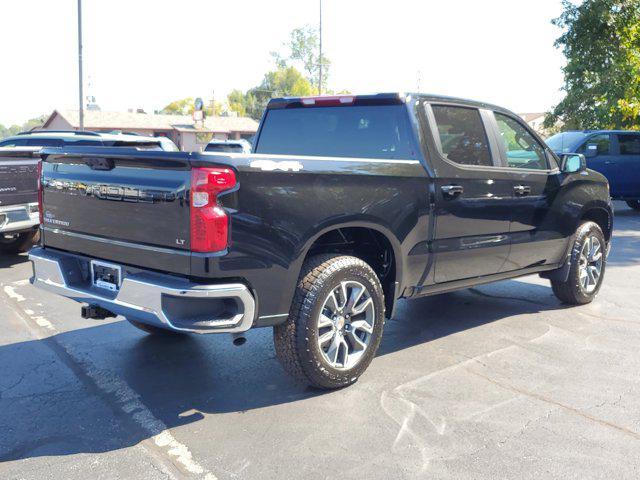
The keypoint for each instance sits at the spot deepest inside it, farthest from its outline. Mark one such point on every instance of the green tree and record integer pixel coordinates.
(303, 50)
(601, 41)
(238, 102)
(185, 106)
(28, 125)
(282, 82)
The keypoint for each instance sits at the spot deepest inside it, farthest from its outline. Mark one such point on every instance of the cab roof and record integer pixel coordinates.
(392, 98)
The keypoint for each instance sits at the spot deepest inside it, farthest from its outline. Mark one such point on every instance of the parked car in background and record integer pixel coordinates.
(347, 204)
(74, 138)
(614, 153)
(19, 217)
(228, 146)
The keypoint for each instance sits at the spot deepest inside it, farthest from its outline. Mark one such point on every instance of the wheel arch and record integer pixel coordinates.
(367, 240)
(602, 216)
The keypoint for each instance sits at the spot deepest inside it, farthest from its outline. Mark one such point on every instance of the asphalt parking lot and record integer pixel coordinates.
(500, 381)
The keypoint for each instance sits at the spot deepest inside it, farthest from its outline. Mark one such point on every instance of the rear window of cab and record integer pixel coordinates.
(370, 131)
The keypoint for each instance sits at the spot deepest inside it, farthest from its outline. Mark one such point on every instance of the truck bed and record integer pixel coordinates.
(132, 207)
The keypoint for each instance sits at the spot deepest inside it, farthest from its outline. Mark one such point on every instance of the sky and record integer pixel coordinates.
(146, 53)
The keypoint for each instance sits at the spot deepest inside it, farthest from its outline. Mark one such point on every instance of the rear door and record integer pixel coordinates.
(628, 165)
(536, 238)
(472, 195)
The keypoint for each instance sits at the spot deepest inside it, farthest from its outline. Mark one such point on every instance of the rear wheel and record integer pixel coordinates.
(153, 330)
(18, 242)
(635, 204)
(335, 323)
(588, 262)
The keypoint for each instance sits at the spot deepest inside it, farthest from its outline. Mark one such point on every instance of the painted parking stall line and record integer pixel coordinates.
(116, 390)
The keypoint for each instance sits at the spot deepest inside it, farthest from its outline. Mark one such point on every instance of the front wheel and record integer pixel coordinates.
(635, 204)
(588, 262)
(335, 323)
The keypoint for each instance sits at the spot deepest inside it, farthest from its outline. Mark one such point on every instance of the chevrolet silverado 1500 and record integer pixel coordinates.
(347, 204)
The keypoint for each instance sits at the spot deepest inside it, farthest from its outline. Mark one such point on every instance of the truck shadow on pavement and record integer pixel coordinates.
(68, 393)
(9, 260)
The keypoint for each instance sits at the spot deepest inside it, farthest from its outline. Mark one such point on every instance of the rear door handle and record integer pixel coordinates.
(452, 190)
(522, 189)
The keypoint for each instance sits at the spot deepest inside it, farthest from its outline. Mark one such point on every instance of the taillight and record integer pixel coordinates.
(40, 193)
(209, 221)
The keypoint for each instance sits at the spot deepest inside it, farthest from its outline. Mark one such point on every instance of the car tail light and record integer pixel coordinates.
(209, 221)
(40, 193)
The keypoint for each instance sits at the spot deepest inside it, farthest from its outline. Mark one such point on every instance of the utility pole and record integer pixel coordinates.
(320, 56)
(80, 93)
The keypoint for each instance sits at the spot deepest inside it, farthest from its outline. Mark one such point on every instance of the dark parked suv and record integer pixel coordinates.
(347, 204)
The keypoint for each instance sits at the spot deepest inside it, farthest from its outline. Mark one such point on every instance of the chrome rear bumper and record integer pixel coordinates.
(161, 300)
(16, 218)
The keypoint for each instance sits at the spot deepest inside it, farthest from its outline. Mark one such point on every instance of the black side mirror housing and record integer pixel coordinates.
(573, 163)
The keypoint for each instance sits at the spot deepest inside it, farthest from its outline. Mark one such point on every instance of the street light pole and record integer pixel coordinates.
(80, 93)
(320, 56)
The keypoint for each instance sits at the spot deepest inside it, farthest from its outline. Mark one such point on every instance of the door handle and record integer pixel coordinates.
(452, 190)
(522, 189)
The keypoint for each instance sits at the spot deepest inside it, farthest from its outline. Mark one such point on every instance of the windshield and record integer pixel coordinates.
(372, 131)
(565, 142)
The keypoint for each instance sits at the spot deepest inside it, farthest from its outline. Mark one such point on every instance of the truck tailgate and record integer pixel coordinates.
(131, 207)
(18, 177)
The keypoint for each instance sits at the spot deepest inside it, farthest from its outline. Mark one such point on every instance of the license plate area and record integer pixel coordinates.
(106, 275)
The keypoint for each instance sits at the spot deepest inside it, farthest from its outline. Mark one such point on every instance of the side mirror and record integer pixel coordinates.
(591, 150)
(573, 163)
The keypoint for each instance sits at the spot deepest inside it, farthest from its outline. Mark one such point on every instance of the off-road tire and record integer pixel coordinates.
(635, 204)
(295, 340)
(152, 330)
(570, 291)
(20, 243)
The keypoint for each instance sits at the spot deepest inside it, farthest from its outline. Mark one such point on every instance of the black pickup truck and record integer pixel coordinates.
(347, 204)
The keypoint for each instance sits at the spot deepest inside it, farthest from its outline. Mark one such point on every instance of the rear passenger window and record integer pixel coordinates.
(522, 149)
(462, 135)
(629, 144)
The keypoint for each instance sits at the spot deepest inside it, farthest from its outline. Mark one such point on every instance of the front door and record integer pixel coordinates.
(535, 231)
(472, 195)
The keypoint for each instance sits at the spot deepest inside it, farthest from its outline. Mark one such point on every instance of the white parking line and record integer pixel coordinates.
(127, 400)
(11, 292)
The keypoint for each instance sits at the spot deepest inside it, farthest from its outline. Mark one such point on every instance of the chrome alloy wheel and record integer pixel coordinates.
(590, 264)
(345, 326)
